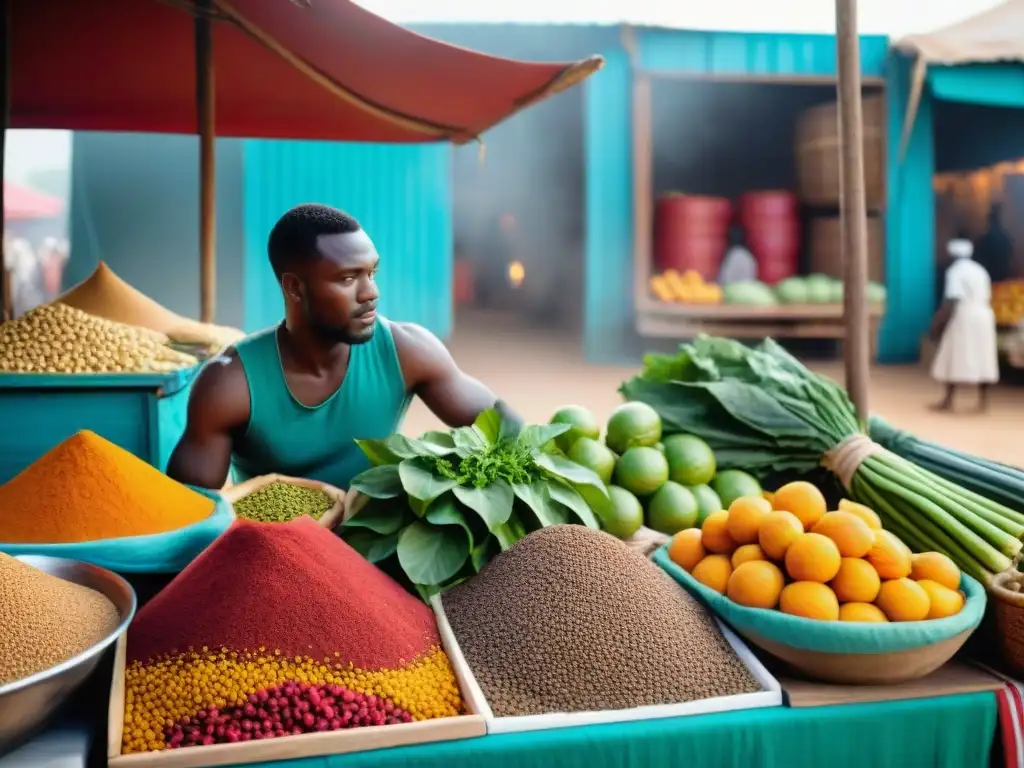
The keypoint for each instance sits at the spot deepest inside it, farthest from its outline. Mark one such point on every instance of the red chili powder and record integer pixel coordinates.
(293, 587)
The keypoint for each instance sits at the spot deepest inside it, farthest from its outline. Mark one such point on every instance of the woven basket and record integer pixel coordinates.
(328, 519)
(1009, 608)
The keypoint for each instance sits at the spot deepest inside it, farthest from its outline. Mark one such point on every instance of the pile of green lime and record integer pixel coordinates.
(668, 483)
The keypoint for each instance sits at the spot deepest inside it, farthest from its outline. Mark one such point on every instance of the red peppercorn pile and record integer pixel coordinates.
(283, 613)
(285, 710)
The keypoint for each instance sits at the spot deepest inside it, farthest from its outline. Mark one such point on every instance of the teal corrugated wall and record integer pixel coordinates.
(401, 194)
(608, 301)
(909, 224)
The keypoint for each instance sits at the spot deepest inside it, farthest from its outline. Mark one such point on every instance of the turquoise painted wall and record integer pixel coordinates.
(401, 194)
(135, 205)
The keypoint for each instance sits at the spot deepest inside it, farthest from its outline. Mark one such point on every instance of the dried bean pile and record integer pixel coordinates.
(45, 620)
(572, 620)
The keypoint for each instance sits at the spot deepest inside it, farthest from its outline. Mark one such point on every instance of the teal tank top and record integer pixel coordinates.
(318, 442)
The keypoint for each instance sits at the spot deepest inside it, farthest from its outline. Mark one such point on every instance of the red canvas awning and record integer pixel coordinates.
(24, 203)
(311, 69)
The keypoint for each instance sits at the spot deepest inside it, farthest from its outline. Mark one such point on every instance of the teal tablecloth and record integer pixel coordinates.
(948, 732)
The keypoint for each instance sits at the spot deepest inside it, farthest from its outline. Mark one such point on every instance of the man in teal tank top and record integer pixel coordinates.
(293, 399)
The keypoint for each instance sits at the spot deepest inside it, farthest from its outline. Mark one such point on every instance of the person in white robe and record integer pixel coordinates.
(967, 353)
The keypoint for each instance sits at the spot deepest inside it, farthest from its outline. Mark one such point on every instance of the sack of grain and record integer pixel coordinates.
(328, 519)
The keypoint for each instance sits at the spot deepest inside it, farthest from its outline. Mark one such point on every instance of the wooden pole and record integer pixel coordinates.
(206, 128)
(857, 346)
(6, 291)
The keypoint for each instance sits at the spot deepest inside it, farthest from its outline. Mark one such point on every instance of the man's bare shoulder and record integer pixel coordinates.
(220, 393)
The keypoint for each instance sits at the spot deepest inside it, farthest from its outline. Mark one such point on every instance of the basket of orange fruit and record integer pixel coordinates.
(831, 593)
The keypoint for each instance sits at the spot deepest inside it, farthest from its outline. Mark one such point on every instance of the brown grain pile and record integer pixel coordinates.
(572, 620)
(46, 620)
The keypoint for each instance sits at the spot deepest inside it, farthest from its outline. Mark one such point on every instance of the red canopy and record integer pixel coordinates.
(25, 203)
(311, 69)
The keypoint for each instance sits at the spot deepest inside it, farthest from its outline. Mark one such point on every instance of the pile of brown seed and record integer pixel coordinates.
(46, 620)
(572, 620)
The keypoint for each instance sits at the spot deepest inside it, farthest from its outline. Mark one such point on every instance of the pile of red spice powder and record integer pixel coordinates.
(293, 588)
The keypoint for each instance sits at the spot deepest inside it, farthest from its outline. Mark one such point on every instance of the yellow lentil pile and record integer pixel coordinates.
(56, 338)
(45, 620)
(288, 629)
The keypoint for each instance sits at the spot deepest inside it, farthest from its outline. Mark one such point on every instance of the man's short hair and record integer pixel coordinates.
(294, 236)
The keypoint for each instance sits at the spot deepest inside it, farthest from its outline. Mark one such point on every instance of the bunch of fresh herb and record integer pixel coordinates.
(761, 410)
(441, 506)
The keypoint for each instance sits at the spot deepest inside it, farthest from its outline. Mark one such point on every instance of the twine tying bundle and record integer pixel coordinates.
(844, 459)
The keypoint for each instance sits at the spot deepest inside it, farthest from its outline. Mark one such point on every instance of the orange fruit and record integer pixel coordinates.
(714, 572)
(745, 516)
(768, 496)
(856, 582)
(867, 514)
(747, 553)
(861, 612)
(686, 549)
(756, 584)
(778, 530)
(849, 532)
(943, 601)
(813, 557)
(935, 566)
(903, 600)
(809, 599)
(890, 556)
(803, 499)
(715, 532)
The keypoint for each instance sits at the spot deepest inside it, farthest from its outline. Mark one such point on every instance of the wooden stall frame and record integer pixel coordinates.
(307, 745)
(655, 318)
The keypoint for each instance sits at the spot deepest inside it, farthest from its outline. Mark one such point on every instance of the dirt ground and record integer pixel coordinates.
(537, 374)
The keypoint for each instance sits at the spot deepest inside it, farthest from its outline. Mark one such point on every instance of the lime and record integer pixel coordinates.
(595, 456)
(690, 460)
(672, 508)
(633, 424)
(660, 448)
(707, 501)
(582, 422)
(731, 484)
(641, 471)
(624, 516)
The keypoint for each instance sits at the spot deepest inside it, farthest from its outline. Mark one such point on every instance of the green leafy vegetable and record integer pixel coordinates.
(441, 506)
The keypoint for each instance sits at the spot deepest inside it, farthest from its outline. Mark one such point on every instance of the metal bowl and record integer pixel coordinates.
(26, 705)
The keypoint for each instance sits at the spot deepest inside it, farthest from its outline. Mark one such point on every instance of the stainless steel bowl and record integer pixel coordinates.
(27, 704)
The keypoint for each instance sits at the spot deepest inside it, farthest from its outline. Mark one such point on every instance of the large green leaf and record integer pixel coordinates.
(444, 511)
(468, 440)
(570, 471)
(567, 496)
(484, 552)
(420, 482)
(382, 482)
(381, 516)
(535, 496)
(488, 424)
(535, 436)
(509, 533)
(374, 547)
(511, 425)
(441, 443)
(492, 502)
(430, 554)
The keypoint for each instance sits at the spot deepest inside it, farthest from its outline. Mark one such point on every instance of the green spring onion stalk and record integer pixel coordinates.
(763, 411)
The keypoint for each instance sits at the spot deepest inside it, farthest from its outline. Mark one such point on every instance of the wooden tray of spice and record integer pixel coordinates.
(329, 519)
(470, 725)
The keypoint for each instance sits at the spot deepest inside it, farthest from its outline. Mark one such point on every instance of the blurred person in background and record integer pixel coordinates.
(25, 274)
(738, 264)
(53, 255)
(966, 328)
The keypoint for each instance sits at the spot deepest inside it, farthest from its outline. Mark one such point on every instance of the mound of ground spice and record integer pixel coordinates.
(86, 489)
(274, 622)
(573, 620)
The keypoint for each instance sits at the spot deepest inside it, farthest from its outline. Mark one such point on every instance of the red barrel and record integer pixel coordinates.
(691, 232)
(772, 224)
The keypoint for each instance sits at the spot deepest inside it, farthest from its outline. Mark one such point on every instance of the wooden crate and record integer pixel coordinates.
(308, 745)
(825, 247)
(817, 154)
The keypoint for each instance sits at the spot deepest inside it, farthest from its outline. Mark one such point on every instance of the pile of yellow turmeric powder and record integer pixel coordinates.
(87, 489)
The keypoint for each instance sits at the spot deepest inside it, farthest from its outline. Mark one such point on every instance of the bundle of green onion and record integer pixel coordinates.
(763, 411)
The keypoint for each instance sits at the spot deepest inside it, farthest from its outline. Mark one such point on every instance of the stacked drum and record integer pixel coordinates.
(691, 233)
(771, 220)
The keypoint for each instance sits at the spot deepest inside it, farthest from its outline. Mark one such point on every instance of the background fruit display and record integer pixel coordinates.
(793, 555)
(669, 483)
(686, 288)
